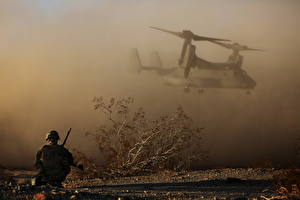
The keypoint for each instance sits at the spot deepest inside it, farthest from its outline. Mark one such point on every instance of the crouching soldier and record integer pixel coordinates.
(53, 161)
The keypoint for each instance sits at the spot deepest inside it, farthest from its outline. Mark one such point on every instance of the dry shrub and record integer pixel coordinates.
(262, 164)
(287, 182)
(287, 185)
(90, 168)
(287, 178)
(132, 142)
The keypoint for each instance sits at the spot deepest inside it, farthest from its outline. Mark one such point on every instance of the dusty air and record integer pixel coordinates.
(138, 99)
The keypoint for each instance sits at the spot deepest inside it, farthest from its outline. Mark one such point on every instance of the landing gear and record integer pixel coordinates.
(200, 91)
(186, 89)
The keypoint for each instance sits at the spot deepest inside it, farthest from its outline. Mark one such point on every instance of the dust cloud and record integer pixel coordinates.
(55, 56)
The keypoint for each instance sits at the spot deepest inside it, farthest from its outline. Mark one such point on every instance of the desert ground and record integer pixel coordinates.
(226, 183)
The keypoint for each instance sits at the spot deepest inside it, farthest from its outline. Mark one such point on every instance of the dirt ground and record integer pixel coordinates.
(246, 183)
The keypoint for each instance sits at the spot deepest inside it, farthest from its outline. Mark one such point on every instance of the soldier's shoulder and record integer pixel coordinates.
(64, 151)
(44, 147)
(62, 148)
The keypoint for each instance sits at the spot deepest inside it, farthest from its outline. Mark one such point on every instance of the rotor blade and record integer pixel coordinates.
(250, 49)
(233, 46)
(228, 46)
(198, 38)
(179, 34)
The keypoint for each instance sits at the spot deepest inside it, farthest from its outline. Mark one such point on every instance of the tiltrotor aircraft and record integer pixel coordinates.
(209, 74)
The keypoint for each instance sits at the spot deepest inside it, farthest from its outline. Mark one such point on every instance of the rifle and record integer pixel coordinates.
(66, 138)
(63, 144)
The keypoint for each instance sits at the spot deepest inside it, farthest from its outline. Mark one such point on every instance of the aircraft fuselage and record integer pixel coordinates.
(211, 79)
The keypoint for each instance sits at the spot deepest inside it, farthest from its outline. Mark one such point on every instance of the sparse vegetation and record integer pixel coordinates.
(132, 143)
(90, 168)
(287, 182)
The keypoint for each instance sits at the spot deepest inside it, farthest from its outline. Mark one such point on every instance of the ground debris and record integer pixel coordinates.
(168, 184)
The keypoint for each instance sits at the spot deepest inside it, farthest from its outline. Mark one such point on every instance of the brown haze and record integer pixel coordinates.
(55, 56)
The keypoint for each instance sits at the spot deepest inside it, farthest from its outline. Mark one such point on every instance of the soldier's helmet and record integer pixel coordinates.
(52, 135)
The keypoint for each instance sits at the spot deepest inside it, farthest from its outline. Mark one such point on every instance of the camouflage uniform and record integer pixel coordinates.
(53, 162)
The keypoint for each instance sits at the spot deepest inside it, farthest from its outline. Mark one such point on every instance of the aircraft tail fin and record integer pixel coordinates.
(135, 64)
(155, 60)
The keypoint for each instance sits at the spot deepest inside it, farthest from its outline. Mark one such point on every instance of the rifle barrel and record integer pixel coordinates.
(66, 138)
